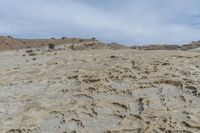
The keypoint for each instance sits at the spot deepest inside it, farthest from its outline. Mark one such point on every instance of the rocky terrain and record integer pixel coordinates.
(99, 90)
(10, 43)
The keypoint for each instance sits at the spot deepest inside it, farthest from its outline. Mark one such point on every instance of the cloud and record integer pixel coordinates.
(125, 21)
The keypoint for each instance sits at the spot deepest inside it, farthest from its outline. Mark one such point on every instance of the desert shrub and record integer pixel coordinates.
(32, 54)
(63, 38)
(112, 56)
(93, 38)
(51, 46)
(29, 51)
(81, 40)
(10, 37)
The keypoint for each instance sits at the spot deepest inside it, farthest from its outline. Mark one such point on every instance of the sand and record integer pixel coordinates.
(100, 91)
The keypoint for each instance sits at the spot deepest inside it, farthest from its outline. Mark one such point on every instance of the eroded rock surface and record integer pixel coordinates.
(101, 91)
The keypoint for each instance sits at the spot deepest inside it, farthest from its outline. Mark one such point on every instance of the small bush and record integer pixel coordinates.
(32, 54)
(51, 46)
(93, 38)
(29, 51)
(10, 37)
(81, 40)
(63, 38)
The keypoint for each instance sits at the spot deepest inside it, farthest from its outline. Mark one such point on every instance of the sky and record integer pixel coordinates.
(129, 22)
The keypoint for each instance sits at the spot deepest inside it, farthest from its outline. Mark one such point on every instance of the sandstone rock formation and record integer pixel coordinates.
(99, 90)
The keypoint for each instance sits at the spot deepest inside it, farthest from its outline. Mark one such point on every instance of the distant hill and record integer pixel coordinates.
(10, 43)
(193, 45)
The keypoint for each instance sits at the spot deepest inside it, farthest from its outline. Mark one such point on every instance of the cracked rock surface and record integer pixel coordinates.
(100, 90)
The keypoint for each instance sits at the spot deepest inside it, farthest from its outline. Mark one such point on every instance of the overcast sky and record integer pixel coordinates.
(124, 21)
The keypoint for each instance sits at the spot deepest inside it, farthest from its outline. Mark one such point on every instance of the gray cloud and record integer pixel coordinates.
(124, 21)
